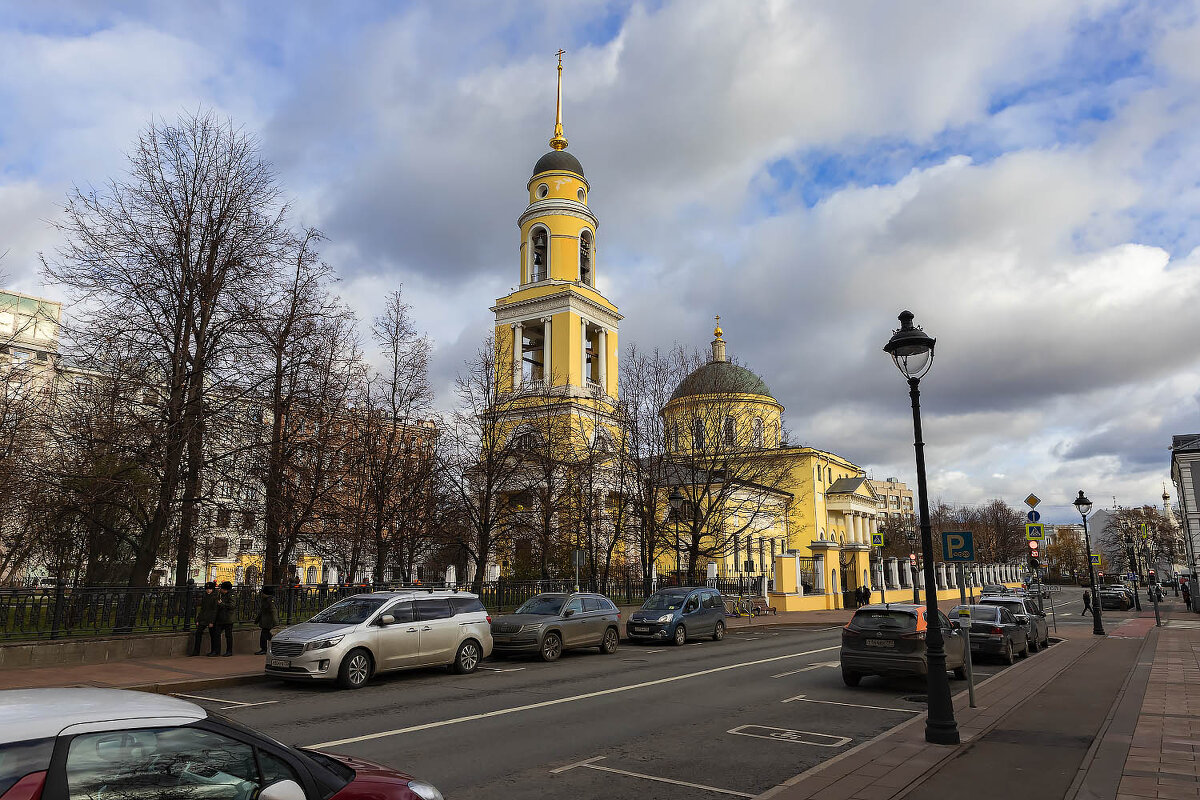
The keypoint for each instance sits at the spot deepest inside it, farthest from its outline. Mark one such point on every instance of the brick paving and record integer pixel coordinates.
(169, 672)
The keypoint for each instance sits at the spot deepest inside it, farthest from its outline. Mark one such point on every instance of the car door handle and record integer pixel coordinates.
(427, 628)
(412, 630)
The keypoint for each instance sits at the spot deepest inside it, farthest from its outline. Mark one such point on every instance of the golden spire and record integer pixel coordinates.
(559, 142)
(717, 332)
(718, 344)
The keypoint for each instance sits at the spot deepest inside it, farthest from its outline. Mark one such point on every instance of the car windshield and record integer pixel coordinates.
(1016, 607)
(350, 611)
(984, 613)
(543, 604)
(884, 620)
(664, 601)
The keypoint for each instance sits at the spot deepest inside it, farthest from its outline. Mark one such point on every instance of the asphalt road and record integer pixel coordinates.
(709, 719)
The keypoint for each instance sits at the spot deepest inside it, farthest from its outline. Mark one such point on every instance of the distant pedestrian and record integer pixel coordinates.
(206, 618)
(1087, 603)
(266, 619)
(1187, 596)
(866, 595)
(226, 616)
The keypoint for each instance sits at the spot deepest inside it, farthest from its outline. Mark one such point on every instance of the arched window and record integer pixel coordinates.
(678, 438)
(539, 258)
(698, 434)
(828, 475)
(756, 432)
(585, 258)
(730, 432)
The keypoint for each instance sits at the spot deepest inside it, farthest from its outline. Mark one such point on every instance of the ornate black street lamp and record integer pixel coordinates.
(1085, 507)
(676, 501)
(912, 350)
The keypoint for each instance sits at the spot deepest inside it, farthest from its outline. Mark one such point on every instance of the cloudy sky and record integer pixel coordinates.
(1022, 175)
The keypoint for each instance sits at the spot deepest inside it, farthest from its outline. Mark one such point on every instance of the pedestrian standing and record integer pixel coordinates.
(858, 596)
(866, 595)
(226, 615)
(1087, 603)
(1187, 596)
(206, 618)
(266, 619)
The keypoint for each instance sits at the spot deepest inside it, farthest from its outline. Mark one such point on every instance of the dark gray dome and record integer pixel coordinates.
(721, 377)
(558, 161)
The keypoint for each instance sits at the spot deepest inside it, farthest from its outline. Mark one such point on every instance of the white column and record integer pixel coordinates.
(940, 575)
(951, 576)
(602, 354)
(583, 352)
(518, 354)
(819, 572)
(860, 528)
(894, 573)
(547, 337)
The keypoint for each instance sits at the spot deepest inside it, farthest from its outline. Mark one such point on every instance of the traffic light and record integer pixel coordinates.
(1034, 552)
(1153, 577)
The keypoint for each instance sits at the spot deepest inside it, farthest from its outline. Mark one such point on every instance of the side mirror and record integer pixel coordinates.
(385, 620)
(282, 790)
(570, 612)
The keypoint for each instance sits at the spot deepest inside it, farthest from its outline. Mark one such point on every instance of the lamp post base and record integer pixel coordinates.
(940, 733)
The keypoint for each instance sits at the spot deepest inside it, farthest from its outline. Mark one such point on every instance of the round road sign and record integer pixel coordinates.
(1033, 516)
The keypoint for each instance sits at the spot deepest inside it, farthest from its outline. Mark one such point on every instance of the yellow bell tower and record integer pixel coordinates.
(557, 333)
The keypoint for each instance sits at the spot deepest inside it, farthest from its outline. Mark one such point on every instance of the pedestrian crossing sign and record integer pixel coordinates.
(1035, 531)
(876, 540)
(1096, 559)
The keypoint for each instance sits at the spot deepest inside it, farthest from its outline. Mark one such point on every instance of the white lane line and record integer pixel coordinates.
(547, 703)
(804, 699)
(590, 764)
(654, 651)
(236, 703)
(497, 669)
(808, 668)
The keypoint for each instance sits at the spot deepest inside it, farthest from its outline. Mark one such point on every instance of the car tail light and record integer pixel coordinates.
(913, 635)
(848, 631)
(996, 631)
(489, 619)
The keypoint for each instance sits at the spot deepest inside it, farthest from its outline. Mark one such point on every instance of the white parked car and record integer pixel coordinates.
(368, 634)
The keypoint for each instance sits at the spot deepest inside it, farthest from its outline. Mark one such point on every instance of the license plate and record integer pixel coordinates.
(281, 663)
(880, 643)
(640, 629)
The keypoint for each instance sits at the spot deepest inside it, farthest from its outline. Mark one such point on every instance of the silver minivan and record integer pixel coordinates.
(366, 634)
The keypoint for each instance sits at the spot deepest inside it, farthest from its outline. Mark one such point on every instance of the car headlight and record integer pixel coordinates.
(533, 626)
(424, 790)
(321, 644)
(665, 618)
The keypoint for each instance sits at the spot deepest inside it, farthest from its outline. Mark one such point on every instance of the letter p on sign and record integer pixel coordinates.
(958, 546)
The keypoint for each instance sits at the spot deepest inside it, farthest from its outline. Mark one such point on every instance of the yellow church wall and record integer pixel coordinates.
(561, 185)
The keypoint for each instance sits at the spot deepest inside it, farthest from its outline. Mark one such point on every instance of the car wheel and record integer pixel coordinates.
(960, 673)
(551, 647)
(1033, 646)
(680, 635)
(719, 631)
(1008, 653)
(609, 645)
(467, 659)
(355, 669)
(1046, 641)
(850, 678)
(1025, 650)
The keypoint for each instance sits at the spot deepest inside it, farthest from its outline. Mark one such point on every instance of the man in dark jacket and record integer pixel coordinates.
(226, 616)
(206, 618)
(266, 619)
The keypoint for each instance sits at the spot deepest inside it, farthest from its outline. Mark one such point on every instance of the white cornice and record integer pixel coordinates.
(569, 300)
(558, 206)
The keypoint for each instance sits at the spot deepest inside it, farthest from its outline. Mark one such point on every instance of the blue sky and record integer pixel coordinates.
(1023, 175)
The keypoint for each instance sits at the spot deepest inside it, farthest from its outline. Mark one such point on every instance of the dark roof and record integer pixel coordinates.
(719, 377)
(845, 485)
(1188, 441)
(558, 160)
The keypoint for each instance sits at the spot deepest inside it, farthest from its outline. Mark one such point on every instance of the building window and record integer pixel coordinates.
(248, 520)
(539, 264)
(756, 432)
(542, 190)
(585, 258)
(730, 432)
(246, 545)
(698, 434)
(222, 517)
(220, 547)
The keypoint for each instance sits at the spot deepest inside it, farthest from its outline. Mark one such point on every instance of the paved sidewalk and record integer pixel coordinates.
(153, 674)
(1108, 718)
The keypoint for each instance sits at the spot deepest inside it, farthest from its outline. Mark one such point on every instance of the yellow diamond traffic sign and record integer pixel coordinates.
(1032, 500)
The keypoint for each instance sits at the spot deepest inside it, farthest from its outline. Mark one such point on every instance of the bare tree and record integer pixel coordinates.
(1141, 537)
(154, 262)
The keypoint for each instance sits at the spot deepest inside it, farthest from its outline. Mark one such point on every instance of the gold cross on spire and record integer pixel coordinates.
(558, 141)
(717, 332)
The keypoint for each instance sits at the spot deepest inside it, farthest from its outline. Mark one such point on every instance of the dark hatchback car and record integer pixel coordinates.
(548, 624)
(994, 631)
(1027, 615)
(889, 639)
(677, 614)
(1115, 598)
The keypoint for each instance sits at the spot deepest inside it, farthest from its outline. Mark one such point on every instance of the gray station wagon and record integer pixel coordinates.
(678, 613)
(548, 624)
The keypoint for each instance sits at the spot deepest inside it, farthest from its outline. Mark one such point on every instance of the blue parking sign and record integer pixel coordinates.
(958, 546)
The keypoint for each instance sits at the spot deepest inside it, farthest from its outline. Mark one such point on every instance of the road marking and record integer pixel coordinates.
(235, 703)
(656, 651)
(590, 764)
(752, 638)
(789, 735)
(497, 669)
(804, 699)
(809, 668)
(547, 703)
